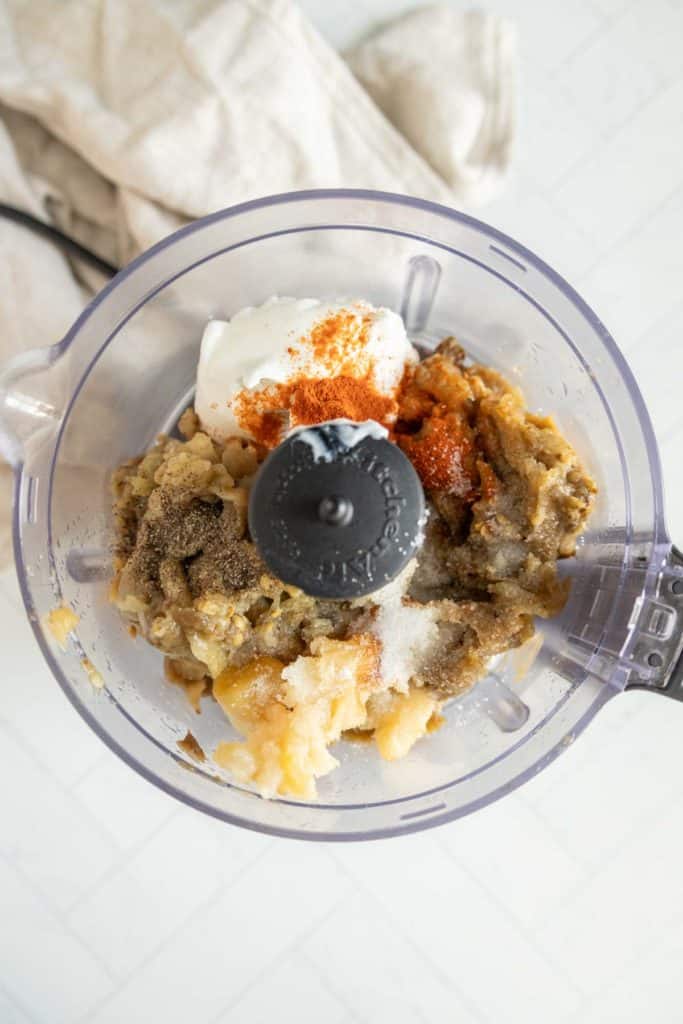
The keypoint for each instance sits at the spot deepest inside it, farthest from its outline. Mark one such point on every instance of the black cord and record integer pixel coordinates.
(62, 241)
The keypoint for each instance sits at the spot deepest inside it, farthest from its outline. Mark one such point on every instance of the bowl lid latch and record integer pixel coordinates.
(656, 649)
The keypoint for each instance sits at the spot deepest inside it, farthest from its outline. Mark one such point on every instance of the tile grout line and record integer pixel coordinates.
(445, 978)
(204, 905)
(512, 919)
(340, 996)
(609, 134)
(351, 1009)
(88, 771)
(57, 917)
(18, 1004)
(592, 872)
(37, 760)
(631, 961)
(122, 861)
(628, 236)
(602, 28)
(267, 966)
(654, 810)
(676, 310)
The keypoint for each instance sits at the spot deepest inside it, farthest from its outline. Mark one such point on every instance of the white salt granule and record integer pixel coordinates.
(407, 632)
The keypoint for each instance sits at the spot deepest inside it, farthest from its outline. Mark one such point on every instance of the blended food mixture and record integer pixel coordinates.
(506, 498)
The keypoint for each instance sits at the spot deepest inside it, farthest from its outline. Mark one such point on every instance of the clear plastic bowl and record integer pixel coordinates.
(125, 371)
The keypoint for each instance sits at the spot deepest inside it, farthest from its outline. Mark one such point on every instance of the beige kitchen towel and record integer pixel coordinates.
(122, 119)
(446, 80)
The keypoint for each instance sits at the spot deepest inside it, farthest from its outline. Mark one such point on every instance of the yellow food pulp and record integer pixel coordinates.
(403, 720)
(291, 714)
(93, 674)
(61, 621)
(246, 693)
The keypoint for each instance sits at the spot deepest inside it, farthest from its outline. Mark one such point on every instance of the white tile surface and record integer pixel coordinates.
(126, 807)
(155, 882)
(550, 33)
(295, 994)
(635, 300)
(513, 852)
(438, 906)
(671, 465)
(610, 9)
(158, 881)
(623, 66)
(604, 800)
(554, 133)
(239, 935)
(613, 913)
(47, 837)
(648, 990)
(561, 903)
(10, 1012)
(34, 706)
(42, 965)
(631, 173)
(648, 356)
(372, 965)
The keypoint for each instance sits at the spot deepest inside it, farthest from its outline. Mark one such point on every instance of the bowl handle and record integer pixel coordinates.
(658, 626)
(26, 413)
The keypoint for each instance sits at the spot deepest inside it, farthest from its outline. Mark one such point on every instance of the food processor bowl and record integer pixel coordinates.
(125, 371)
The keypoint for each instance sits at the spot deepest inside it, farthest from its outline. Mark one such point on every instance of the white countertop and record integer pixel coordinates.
(564, 901)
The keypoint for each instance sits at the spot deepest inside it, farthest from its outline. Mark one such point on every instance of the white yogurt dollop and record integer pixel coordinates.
(285, 339)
